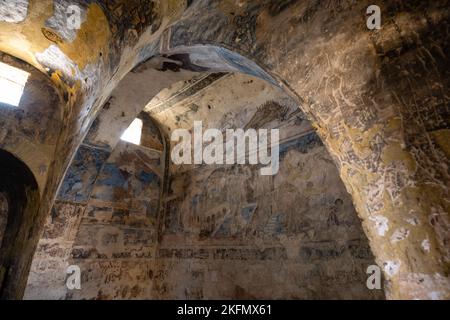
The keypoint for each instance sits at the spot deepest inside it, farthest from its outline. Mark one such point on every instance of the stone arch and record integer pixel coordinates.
(364, 116)
(91, 249)
(361, 125)
(111, 194)
(3, 215)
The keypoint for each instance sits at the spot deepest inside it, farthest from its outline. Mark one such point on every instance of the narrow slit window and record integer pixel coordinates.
(12, 84)
(134, 132)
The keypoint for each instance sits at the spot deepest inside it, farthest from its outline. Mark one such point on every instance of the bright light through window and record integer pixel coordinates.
(12, 83)
(134, 132)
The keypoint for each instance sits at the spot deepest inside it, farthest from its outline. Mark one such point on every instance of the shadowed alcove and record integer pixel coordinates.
(19, 194)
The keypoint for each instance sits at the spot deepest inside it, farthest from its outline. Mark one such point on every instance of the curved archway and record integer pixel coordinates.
(99, 242)
(20, 190)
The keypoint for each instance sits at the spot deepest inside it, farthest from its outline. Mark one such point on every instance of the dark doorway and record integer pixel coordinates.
(19, 204)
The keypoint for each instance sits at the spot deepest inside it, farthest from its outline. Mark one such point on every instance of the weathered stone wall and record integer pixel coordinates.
(112, 229)
(48, 271)
(118, 233)
(233, 234)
